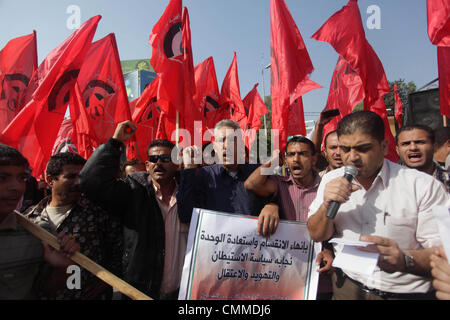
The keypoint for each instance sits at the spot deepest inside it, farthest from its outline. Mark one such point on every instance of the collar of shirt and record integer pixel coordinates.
(314, 183)
(159, 197)
(383, 176)
(9, 223)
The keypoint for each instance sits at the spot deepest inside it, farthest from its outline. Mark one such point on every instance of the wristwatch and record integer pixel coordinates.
(409, 262)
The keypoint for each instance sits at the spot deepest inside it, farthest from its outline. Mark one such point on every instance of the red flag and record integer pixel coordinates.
(438, 12)
(444, 79)
(254, 109)
(346, 91)
(18, 61)
(103, 94)
(167, 58)
(191, 112)
(290, 67)
(33, 132)
(398, 107)
(207, 92)
(345, 32)
(64, 141)
(146, 117)
(230, 94)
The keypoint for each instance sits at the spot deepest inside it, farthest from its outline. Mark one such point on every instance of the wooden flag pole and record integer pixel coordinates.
(444, 118)
(83, 261)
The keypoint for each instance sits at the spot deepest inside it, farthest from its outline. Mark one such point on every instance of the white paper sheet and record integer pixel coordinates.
(442, 214)
(353, 259)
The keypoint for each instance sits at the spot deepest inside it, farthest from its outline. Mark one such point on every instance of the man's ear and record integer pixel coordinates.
(315, 158)
(49, 179)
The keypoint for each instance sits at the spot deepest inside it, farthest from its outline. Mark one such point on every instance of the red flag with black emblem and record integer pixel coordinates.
(444, 79)
(346, 91)
(230, 94)
(18, 61)
(207, 92)
(398, 113)
(33, 131)
(344, 31)
(146, 117)
(103, 94)
(290, 67)
(167, 58)
(438, 12)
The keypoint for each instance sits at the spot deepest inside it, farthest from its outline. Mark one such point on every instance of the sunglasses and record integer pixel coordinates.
(164, 158)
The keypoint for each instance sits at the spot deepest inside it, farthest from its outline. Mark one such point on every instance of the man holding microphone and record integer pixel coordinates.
(385, 204)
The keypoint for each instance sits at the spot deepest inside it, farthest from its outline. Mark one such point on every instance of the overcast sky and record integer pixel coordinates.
(220, 27)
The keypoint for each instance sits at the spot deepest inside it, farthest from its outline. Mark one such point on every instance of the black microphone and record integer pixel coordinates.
(349, 173)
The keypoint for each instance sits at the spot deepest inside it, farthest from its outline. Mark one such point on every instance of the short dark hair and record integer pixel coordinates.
(131, 162)
(326, 137)
(423, 127)
(301, 139)
(57, 161)
(366, 122)
(160, 143)
(442, 135)
(12, 157)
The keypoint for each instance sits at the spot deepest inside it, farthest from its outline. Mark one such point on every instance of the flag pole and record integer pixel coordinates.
(82, 260)
(444, 120)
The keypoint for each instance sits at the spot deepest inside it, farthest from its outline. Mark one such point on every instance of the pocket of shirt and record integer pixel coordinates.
(402, 230)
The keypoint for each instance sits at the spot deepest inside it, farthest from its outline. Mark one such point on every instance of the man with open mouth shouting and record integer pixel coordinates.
(416, 146)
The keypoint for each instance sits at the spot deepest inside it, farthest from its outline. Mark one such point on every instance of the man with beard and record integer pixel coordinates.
(388, 205)
(66, 210)
(331, 153)
(416, 146)
(155, 238)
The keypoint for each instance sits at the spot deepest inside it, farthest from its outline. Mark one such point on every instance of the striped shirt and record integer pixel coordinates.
(20, 257)
(294, 199)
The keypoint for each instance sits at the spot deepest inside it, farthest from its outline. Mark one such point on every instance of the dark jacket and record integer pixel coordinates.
(133, 200)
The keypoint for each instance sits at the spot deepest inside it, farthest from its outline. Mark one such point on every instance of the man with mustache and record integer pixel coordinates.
(21, 253)
(99, 235)
(387, 205)
(155, 238)
(416, 146)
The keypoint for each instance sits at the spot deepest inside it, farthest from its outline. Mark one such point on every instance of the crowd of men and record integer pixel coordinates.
(133, 217)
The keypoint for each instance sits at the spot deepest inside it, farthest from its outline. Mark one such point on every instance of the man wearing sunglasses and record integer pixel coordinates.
(155, 238)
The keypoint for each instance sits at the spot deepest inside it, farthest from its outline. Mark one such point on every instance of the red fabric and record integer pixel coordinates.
(444, 79)
(438, 12)
(18, 61)
(345, 32)
(398, 107)
(146, 117)
(103, 94)
(191, 113)
(231, 103)
(254, 109)
(296, 123)
(290, 67)
(64, 141)
(33, 132)
(207, 92)
(346, 91)
(167, 58)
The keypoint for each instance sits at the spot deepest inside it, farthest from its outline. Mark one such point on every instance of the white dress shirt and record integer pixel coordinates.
(398, 205)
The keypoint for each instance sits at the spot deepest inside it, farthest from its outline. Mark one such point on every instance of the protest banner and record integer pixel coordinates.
(227, 260)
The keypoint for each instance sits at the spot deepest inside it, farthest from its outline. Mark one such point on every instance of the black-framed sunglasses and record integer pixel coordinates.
(164, 158)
